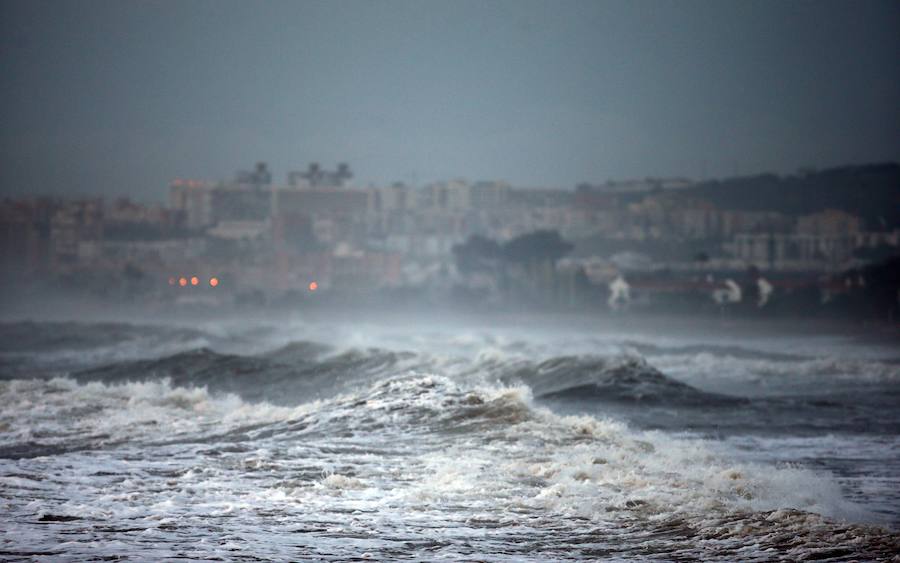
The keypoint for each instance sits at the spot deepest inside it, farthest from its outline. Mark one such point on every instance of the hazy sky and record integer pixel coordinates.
(123, 96)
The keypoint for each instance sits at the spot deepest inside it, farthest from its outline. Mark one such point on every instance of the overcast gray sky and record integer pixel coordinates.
(123, 96)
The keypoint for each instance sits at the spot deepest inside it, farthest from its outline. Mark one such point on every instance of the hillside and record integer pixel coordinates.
(871, 191)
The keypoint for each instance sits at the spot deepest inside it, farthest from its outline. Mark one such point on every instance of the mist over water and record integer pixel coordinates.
(507, 438)
(449, 280)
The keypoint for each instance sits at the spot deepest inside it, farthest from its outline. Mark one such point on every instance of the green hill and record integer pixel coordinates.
(871, 191)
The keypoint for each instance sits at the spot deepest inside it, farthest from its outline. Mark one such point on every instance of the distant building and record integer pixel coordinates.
(454, 196)
(795, 252)
(247, 198)
(329, 214)
(163, 255)
(260, 176)
(831, 222)
(204, 204)
(73, 223)
(25, 236)
(317, 201)
(239, 202)
(239, 230)
(192, 198)
(317, 177)
(824, 241)
(540, 197)
(490, 195)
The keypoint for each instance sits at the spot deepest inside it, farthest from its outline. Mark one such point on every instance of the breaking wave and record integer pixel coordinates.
(401, 456)
(163, 443)
(304, 370)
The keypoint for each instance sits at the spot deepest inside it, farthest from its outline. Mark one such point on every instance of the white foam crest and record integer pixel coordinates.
(575, 465)
(409, 455)
(601, 469)
(652, 472)
(51, 410)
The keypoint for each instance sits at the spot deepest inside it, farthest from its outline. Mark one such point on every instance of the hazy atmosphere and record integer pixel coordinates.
(468, 281)
(121, 97)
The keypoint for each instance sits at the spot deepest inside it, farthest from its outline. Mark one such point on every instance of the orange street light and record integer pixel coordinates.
(213, 282)
(195, 280)
(313, 286)
(182, 282)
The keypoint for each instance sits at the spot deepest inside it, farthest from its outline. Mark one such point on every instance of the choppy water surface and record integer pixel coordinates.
(316, 441)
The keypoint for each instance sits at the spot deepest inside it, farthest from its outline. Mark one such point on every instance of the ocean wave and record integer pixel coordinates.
(43, 417)
(29, 348)
(406, 452)
(706, 366)
(303, 370)
(294, 373)
(621, 378)
(698, 392)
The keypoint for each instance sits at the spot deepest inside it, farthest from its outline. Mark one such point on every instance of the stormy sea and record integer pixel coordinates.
(510, 440)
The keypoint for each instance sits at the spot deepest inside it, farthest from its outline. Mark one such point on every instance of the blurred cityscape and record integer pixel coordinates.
(795, 245)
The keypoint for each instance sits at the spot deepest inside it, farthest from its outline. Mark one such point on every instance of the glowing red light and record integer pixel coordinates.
(195, 280)
(182, 282)
(213, 282)
(313, 286)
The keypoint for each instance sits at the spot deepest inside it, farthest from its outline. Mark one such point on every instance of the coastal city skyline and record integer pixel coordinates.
(764, 243)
